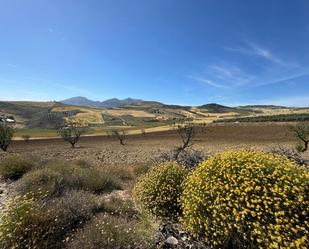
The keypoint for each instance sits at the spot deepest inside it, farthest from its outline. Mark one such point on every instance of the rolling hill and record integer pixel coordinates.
(134, 113)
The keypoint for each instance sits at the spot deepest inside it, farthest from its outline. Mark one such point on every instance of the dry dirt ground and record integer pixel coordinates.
(139, 149)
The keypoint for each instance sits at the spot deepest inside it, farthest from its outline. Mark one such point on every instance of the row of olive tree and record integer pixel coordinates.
(70, 133)
(73, 132)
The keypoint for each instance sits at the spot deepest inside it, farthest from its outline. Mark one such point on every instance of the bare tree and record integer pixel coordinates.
(187, 133)
(71, 133)
(6, 135)
(301, 132)
(184, 154)
(120, 135)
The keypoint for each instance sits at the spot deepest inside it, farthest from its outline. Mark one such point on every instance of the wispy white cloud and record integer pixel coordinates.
(237, 75)
(283, 78)
(232, 74)
(252, 49)
(223, 76)
(208, 82)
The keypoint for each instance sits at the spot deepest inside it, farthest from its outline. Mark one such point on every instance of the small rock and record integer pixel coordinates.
(184, 238)
(172, 240)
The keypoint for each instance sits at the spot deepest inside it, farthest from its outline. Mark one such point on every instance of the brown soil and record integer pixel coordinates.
(139, 149)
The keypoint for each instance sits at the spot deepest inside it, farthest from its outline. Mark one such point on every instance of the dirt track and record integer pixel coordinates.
(102, 150)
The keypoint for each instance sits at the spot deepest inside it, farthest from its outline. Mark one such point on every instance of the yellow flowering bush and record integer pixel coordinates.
(247, 199)
(159, 190)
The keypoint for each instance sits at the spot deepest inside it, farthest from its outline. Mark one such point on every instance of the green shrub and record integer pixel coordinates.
(158, 191)
(6, 135)
(99, 181)
(246, 199)
(34, 224)
(106, 231)
(14, 167)
(57, 177)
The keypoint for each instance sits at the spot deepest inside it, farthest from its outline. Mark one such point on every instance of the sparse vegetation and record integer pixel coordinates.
(301, 132)
(15, 167)
(6, 135)
(71, 133)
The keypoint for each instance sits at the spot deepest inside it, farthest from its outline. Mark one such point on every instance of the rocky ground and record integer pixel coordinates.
(171, 235)
(6, 192)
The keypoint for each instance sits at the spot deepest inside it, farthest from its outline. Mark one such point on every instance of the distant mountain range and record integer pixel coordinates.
(109, 103)
(114, 103)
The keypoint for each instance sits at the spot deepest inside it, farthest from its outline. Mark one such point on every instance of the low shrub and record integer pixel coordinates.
(188, 157)
(159, 190)
(57, 177)
(106, 231)
(28, 223)
(14, 167)
(123, 172)
(119, 207)
(246, 199)
(292, 155)
(141, 169)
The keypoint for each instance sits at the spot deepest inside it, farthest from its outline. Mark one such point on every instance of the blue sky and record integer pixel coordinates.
(186, 52)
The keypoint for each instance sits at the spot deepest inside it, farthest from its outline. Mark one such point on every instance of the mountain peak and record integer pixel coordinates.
(109, 103)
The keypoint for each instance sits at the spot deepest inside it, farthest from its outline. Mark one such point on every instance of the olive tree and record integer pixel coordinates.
(71, 133)
(6, 135)
(301, 132)
(119, 135)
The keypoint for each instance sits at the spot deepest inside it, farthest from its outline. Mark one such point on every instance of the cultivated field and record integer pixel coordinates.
(140, 148)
